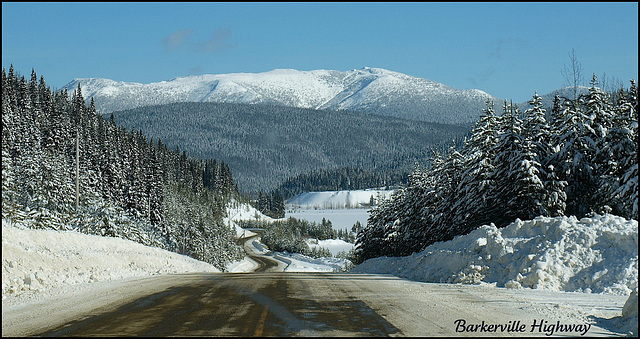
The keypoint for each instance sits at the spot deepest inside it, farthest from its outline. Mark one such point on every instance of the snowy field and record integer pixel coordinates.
(342, 208)
(337, 199)
(334, 246)
(340, 218)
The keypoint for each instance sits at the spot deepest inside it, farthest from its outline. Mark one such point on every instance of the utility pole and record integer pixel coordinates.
(77, 169)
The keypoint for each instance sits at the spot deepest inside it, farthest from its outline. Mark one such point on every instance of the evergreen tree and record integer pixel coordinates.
(617, 159)
(573, 159)
(474, 204)
(537, 133)
(277, 206)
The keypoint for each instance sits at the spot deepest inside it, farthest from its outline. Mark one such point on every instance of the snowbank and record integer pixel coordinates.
(39, 260)
(337, 199)
(297, 262)
(629, 319)
(594, 255)
(242, 266)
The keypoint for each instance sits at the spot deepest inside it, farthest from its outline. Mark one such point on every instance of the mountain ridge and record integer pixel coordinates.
(369, 90)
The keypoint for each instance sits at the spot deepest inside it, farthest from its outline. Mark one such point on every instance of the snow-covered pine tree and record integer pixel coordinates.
(597, 110)
(517, 171)
(10, 205)
(155, 186)
(277, 205)
(473, 205)
(537, 133)
(573, 160)
(617, 159)
(209, 174)
(28, 143)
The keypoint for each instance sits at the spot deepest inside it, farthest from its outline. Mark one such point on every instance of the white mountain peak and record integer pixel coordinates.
(368, 89)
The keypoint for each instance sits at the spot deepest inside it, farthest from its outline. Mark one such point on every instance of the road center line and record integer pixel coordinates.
(263, 317)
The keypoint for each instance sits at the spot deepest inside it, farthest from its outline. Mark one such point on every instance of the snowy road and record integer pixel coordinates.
(276, 303)
(327, 304)
(262, 262)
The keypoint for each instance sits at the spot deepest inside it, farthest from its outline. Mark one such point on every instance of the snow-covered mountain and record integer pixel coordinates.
(547, 99)
(370, 90)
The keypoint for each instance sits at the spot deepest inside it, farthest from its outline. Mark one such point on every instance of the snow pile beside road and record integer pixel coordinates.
(39, 260)
(297, 262)
(594, 255)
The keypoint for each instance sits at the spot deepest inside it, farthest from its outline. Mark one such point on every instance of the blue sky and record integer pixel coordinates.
(509, 50)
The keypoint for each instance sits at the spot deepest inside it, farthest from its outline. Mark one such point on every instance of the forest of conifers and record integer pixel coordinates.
(577, 159)
(127, 186)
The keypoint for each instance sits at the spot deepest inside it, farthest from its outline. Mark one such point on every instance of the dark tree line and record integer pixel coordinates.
(580, 160)
(217, 177)
(270, 204)
(66, 167)
(341, 179)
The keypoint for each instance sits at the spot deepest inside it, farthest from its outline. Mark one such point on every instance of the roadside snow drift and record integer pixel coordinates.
(593, 255)
(38, 260)
(297, 262)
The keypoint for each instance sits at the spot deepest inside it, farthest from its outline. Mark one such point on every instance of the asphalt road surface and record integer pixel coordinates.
(254, 304)
(272, 303)
(323, 304)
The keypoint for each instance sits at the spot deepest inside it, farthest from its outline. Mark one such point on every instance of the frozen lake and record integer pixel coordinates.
(340, 218)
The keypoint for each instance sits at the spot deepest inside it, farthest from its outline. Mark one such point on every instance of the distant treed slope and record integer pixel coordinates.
(370, 90)
(264, 145)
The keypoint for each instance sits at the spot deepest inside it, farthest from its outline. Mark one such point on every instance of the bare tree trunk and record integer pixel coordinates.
(573, 74)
